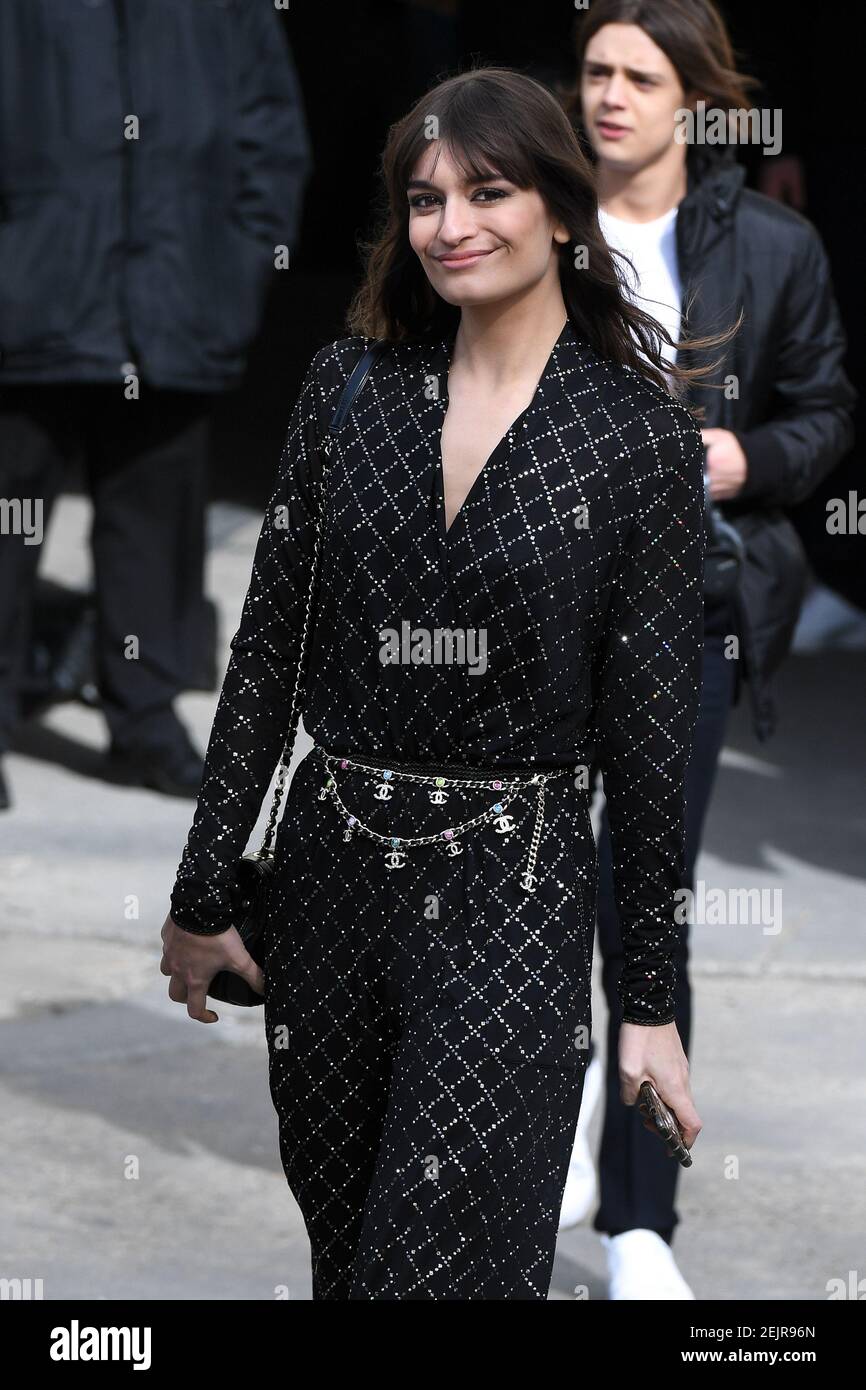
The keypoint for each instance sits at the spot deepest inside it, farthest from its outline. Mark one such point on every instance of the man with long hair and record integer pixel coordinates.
(652, 80)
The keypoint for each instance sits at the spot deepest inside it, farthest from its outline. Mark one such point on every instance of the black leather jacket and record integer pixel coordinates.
(789, 401)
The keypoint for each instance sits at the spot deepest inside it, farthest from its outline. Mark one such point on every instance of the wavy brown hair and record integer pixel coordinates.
(494, 120)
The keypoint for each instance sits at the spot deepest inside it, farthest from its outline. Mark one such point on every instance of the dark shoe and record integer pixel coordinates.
(5, 798)
(174, 770)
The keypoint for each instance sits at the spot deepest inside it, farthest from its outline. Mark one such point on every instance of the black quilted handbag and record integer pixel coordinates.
(253, 872)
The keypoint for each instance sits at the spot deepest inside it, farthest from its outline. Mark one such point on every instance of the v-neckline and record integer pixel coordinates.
(503, 445)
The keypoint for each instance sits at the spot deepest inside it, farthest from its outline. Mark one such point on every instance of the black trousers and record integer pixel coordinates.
(428, 1032)
(637, 1179)
(145, 465)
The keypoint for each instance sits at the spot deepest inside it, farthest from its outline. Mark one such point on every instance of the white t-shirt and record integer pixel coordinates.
(652, 247)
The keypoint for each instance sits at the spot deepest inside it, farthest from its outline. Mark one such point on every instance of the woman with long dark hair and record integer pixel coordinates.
(510, 576)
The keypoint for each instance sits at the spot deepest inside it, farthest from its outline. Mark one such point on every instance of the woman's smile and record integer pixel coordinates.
(460, 260)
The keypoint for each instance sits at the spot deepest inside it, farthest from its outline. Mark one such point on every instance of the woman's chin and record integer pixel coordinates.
(467, 296)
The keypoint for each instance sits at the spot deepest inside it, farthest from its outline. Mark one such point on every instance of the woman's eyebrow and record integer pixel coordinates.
(465, 183)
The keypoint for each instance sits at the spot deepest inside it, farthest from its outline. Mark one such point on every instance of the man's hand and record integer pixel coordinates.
(192, 961)
(656, 1054)
(726, 463)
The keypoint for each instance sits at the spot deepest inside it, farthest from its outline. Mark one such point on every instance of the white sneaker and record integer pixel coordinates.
(641, 1265)
(581, 1184)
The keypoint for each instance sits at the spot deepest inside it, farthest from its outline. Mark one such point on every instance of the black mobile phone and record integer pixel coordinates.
(665, 1121)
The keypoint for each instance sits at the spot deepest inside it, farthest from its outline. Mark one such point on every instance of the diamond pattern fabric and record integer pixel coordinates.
(428, 1025)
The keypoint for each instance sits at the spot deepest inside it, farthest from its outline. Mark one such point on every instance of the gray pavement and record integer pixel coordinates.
(139, 1149)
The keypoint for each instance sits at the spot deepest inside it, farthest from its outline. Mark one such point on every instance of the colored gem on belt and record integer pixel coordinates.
(497, 808)
(497, 786)
(394, 840)
(344, 762)
(440, 781)
(353, 820)
(386, 775)
(447, 834)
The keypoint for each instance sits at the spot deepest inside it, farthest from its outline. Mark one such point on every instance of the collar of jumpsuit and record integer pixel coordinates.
(442, 355)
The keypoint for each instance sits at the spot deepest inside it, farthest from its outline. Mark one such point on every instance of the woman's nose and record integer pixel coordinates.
(457, 222)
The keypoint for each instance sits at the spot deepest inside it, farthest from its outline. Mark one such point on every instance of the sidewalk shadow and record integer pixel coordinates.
(45, 745)
(805, 794)
(570, 1274)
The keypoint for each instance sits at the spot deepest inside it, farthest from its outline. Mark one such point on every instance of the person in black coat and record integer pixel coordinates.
(152, 160)
(711, 250)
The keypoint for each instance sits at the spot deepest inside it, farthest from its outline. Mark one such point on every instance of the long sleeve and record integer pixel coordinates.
(252, 716)
(811, 426)
(648, 679)
(274, 151)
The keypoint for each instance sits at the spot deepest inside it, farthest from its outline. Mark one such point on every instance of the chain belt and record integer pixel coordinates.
(506, 783)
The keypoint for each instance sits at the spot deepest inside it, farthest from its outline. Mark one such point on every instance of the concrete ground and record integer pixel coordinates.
(139, 1149)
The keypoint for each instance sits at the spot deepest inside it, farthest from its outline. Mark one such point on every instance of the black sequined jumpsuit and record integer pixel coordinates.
(428, 1025)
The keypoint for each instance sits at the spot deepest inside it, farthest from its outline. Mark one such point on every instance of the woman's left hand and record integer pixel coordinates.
(653, 1053)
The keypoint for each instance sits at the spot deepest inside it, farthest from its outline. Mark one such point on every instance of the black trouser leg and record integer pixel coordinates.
(147, 471)
(638, 1179)
(38, 440)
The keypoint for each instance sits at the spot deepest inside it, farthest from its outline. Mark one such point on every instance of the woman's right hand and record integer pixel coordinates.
(192, 961)
(655, 1053)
